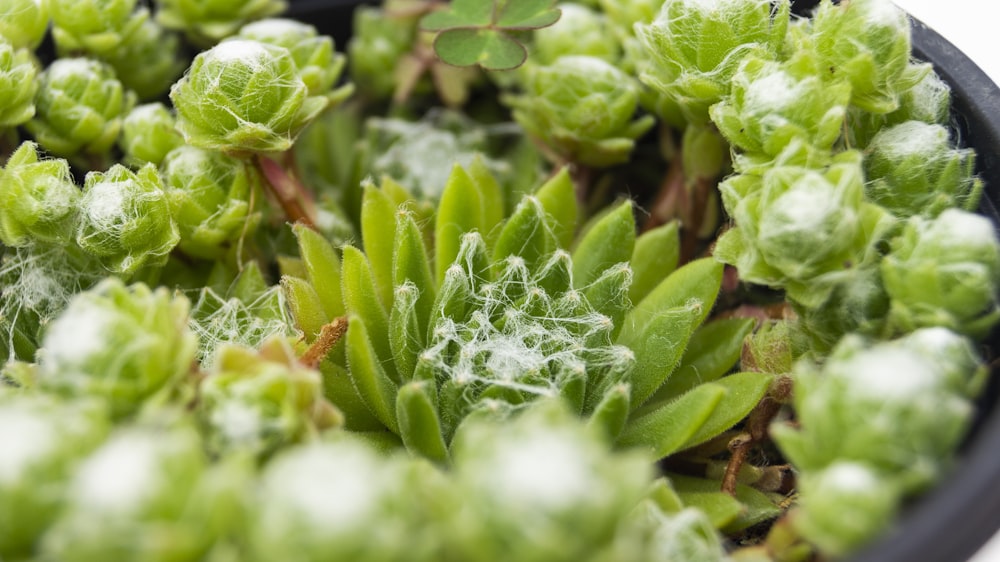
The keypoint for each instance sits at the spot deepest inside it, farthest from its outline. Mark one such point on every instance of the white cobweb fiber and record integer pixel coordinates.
(218, 320)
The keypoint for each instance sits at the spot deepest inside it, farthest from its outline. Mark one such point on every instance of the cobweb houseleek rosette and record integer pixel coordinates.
(38, 199)
(23, 23)
(96, 28)
(511, 318)
(206, 22)
(17, 85)
(148, 134)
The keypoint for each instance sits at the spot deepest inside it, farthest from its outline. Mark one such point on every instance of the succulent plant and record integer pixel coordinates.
(148, 134)
(581, 31)
(23, 23)
(17, 85)
(38, 199)
(149, 62)
(207, 22)
(244, 96)
(94, 27)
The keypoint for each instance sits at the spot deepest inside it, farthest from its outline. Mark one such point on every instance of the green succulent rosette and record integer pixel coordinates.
(581, 109)
(781, 113)
(801, 229)
(148, 493)
(17, 85)
(256, 402)
(580, 31)
(693, 47)
(94, 27)
(125, 219)
(148, 134)
(207, 22)
(79, 108)
(913, 169)
(43, 439)
(149, 62)
(928, 101)
(23, 23)
(119, 344)
(209, 194)
(867, 43)
(944, 272)
(876, 422)
(378, 42)
(244, 96)
(38, 199)
(319, 65)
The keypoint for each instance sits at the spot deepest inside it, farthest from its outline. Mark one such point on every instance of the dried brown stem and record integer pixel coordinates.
(756, 431)
(328, 337)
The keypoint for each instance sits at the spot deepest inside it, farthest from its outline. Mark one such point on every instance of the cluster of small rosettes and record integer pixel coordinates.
(520, 339)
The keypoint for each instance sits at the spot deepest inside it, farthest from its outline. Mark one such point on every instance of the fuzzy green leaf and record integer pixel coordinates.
(609, 294)
(713, 349)
(371, 381)
(696, 284)
(405, 335)
(526, 234)
(461, 210)
(410, 263)
(491, 194)
(419, 424)
(610, 241)
(378, 231)
(305, 305)
(743, 392)
(341, 392)
(667, 429)
(654, 258)
(360, 298)
(729, 514)
(658, 349)
(323, 267)
(558, 197)
(611, 412)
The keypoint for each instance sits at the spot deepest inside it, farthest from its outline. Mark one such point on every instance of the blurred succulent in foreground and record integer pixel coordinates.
(207, 22)
(38, 199)
(125, 220)
(94, 27)
(119, 344)
(244, 96)
(23, 23)
(148, 134)
(582, 109)
(80, 105)
(17, 85)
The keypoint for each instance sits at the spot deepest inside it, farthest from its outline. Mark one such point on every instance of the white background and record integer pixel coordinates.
(971, 26)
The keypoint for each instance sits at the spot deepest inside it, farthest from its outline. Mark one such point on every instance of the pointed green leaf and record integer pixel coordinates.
(609, 294)
(489, 48)
(611, 412)
(743, 392)
(555, 276)
(419, 425)
(695, 285)
(341, 392)
(378, 231)
(713, 349)
(360, 298)
(323, 268)
(665, 430)
(526, 234)
(528, 14)
(410, 263)
(664, 496)
(658, 349)
(405, 336)
(609, 242)
(751, 506)
(305, 305)
(250, 283)
(492, 196)
(373, 385)
(558, 197)
(654, 258)
(461, 210)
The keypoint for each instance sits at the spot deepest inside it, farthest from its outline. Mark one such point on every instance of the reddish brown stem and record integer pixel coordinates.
(328, 337)
(290, 193)
(756, 430)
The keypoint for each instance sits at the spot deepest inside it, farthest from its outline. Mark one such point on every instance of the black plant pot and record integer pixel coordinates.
(951, 522)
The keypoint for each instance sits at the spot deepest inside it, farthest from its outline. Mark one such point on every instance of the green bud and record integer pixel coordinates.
(209, 21)
(319, 66)
(23, 23)
(866, 42)
(148, 134)
(582, 109)
(928, 101)
(38, 199)
(80, 105)
(579, 31)
(796, 224)
(125, 219)
(695, 47)
(782, 112)
(95, 27)
(209, 195)
(146, 494)
(944, 272)
(913, 169)
(378, 42)
(17, 85)
(845, 506)
(150, 61)
(121, 344)
(257, 402)
(244, 96)
(900, 406)
(43, 440)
